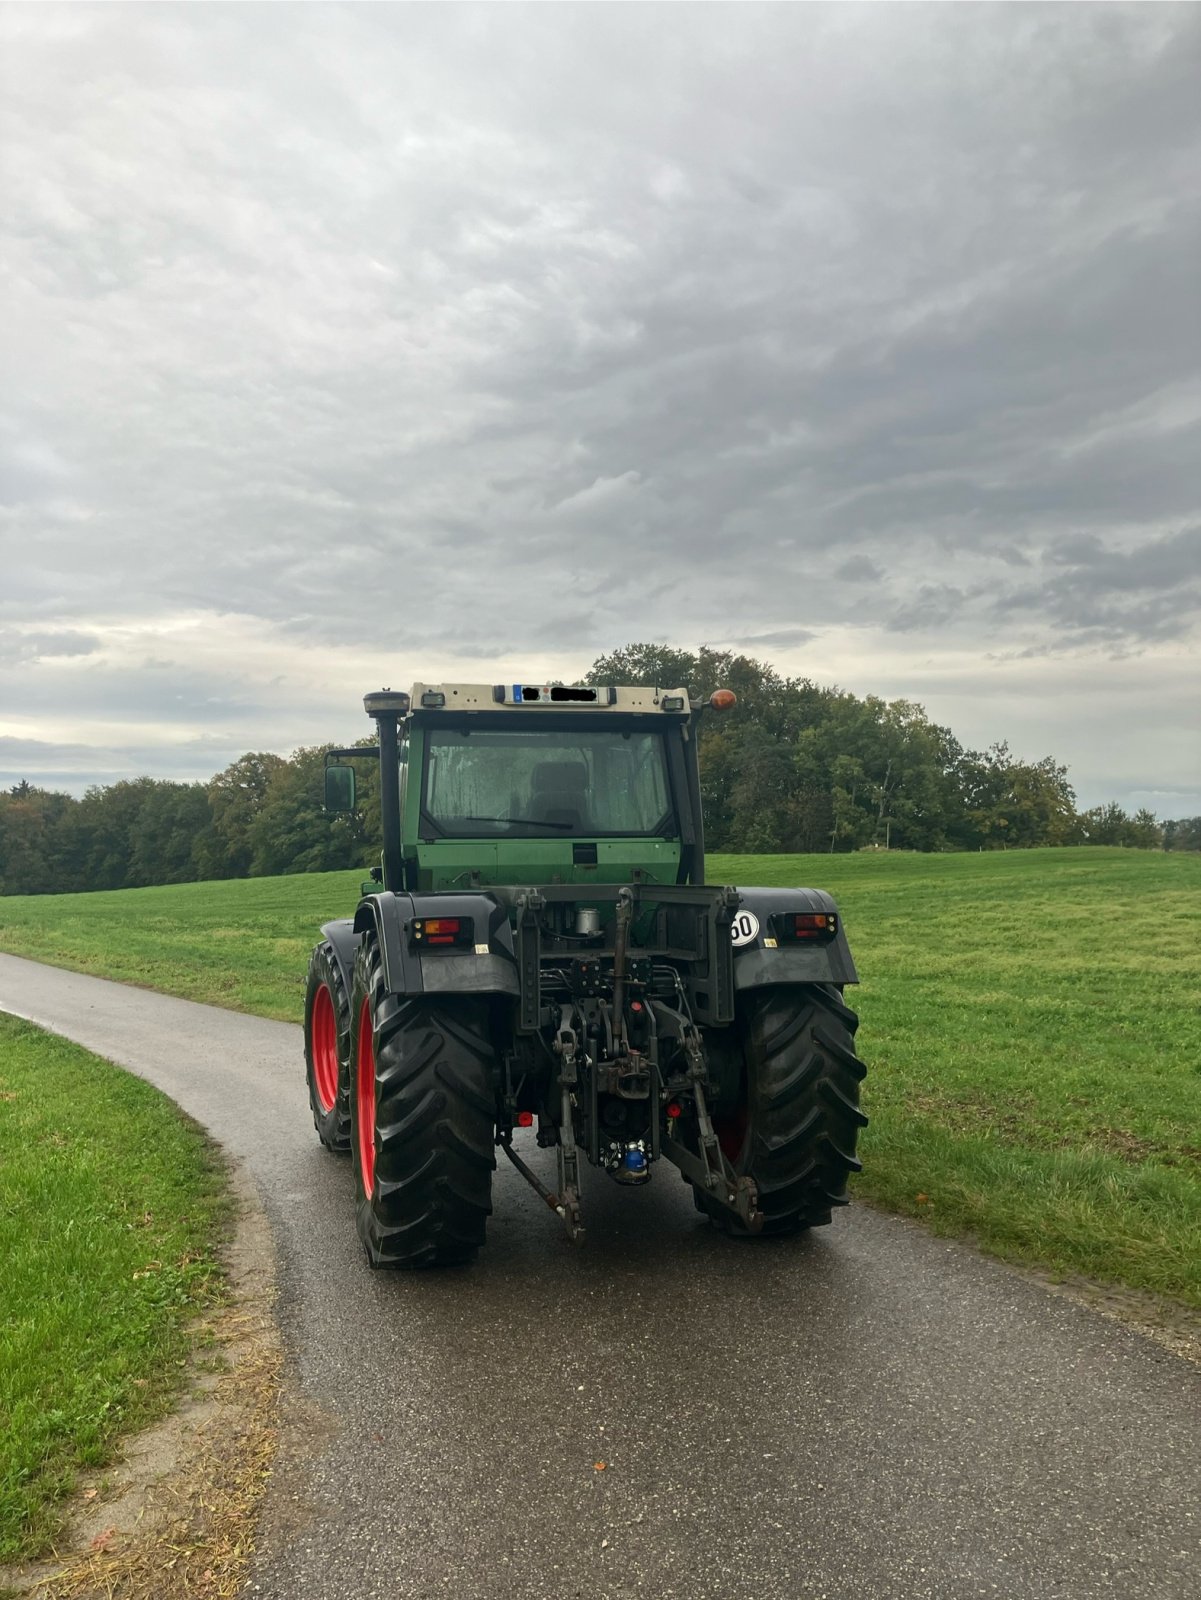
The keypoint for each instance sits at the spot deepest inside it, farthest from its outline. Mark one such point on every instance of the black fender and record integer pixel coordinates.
(490, 967)
(344, 942)
(755, 961)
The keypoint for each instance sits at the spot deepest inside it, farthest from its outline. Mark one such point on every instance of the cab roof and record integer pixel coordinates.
(533, 697)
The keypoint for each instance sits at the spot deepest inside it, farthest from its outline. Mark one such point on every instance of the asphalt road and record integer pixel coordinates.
(866, 1412)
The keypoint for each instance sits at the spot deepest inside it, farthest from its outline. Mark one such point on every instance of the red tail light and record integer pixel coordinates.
(440, 931)
(810, 927)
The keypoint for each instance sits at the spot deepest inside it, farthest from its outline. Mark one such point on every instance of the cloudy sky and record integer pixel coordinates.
(349, 345)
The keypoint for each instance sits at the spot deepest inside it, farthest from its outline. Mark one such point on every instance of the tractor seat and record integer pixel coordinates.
(560, 792)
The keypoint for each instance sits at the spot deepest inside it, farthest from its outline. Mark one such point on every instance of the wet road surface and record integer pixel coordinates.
(865, 1412)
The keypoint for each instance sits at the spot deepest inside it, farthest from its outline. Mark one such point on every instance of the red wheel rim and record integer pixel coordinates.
(731, 1134)
(324, 1028)
(365, 1098)
(732, 1129)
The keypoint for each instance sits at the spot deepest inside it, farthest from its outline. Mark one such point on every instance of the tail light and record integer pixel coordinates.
(441, 932)
(805, 927)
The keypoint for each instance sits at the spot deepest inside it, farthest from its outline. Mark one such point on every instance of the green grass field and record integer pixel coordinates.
(1031, 1022)
(111, 1206)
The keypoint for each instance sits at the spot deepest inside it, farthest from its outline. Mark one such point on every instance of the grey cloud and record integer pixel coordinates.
(29, 467)
(29, 648)
(104, 692)
(73, 767)
(451, 329)
(778, 637)
(1119, 597)
(933, 606)
(859, 569)
(1164, 563)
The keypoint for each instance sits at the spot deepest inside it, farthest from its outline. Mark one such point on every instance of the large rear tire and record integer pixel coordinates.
(793, 1123)
(422, 1115)
(327, 1048)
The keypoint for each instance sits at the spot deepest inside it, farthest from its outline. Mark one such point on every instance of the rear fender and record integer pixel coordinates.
(344, 941)
(756, 963)
(489, 968)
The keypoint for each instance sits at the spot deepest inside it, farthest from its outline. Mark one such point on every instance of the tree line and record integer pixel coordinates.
(797, 767)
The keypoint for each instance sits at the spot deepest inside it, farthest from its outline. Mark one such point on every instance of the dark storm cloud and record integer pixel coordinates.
(461, 332)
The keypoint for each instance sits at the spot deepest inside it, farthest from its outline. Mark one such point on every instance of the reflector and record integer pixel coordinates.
(441, 931)
(818, 926)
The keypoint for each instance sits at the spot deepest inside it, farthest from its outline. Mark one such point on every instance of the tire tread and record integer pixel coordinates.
(434, 1124)
(333, 1126)
(802, 1087)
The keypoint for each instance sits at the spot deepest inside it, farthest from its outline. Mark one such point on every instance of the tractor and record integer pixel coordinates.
(539, 949)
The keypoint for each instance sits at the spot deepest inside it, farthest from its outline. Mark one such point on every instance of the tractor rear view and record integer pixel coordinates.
(539, 949)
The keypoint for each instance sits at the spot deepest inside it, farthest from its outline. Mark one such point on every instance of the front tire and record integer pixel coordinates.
(422, 1115)
(327, 1048)
(793, 1123)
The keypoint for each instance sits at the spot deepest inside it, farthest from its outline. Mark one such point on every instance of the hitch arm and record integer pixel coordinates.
(532, 1178)
(709, 1169)
(738, 1194)
(569, 1164)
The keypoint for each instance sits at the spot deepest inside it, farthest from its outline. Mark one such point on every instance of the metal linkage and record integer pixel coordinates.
(566, 1046)
(566, 1203)
(532, 1178)
(709, 1169)
(624, 913)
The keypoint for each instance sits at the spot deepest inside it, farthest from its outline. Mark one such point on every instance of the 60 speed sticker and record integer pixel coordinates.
(745, 928)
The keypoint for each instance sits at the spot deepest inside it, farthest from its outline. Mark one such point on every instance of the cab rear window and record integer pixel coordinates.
(558, 784)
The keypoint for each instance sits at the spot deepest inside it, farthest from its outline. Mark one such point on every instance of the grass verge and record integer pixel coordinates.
(112, 1207)
(1031, 1022)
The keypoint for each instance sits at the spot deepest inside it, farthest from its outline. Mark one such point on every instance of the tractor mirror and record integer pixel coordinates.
(339, 788)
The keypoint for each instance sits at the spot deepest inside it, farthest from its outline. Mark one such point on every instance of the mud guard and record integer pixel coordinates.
(757, 964)
(489, 968)
(344, 941)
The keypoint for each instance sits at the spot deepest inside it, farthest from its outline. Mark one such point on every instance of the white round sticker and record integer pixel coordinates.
(745, 927)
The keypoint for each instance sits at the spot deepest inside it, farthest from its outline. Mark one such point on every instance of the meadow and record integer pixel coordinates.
(1031, 1022)
(112, 1210)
